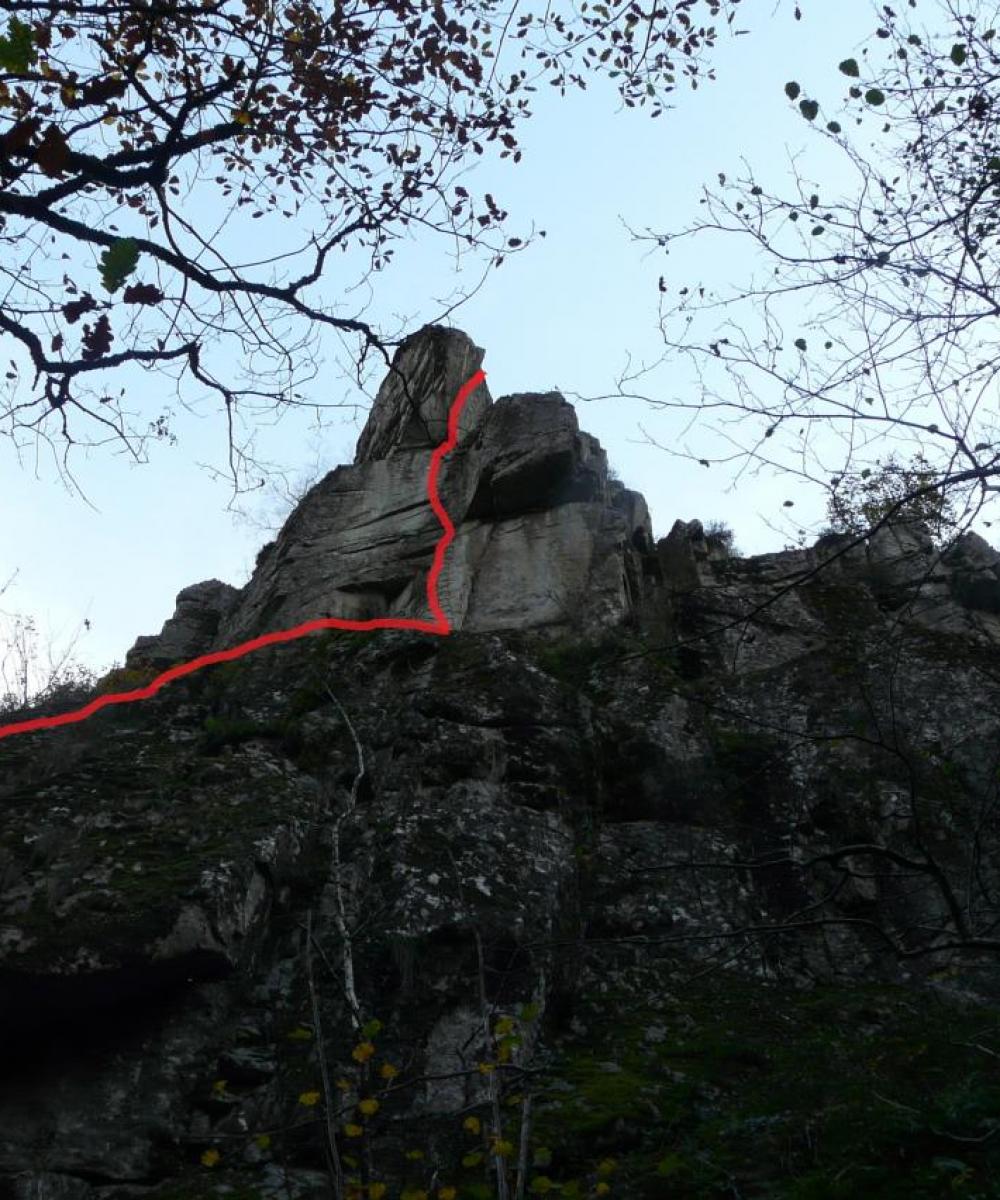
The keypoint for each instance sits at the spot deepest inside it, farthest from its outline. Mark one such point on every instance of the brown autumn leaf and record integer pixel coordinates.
(142, 293)
(75, 309)
(52, 154)
(19, 136)
(97, 339)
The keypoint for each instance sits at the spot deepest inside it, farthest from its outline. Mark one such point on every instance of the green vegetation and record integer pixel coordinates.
(861, 499)
(718, 533)
(126, 679)
(582, 663)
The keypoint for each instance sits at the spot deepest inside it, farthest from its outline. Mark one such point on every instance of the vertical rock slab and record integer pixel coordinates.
(412, 406)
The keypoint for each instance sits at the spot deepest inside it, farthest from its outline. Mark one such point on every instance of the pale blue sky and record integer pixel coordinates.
(564, 314)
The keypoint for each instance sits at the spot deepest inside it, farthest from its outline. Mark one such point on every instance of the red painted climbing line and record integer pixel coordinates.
(439, 626)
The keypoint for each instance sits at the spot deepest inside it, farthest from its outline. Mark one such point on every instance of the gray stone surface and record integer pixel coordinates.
(542, 537)
(412, 406)
(632, 767)
(200, 609)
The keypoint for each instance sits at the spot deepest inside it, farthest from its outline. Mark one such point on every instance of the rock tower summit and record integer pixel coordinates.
(543, 537)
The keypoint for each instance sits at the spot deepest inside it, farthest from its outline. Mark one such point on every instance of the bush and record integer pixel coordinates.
(860, 499)
(126, 679)
(718, 533)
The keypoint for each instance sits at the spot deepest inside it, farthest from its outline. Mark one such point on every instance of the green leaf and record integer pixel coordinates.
(792, 90)
(993, 164)
(670, 1164)
(800, 343)
(833, 126)
(16, 51)
(914, 40)
(957, 55)
(849, 67)
(118, 262)
(875, 97)
(809, 109)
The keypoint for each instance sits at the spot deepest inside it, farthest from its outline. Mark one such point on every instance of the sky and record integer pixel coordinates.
(569, 313)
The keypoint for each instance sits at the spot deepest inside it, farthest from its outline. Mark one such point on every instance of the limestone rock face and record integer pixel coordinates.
(411, 409)
(542, 538)
(191, 630)
(645, 790)
(975, 573)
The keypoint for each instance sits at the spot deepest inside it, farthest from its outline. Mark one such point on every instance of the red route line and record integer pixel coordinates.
(439, 626)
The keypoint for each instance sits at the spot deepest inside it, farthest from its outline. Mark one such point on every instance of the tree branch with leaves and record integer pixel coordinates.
(116, 119)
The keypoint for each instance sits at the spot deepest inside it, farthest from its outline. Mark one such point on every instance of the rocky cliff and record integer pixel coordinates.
(543, 537)
(666, 873)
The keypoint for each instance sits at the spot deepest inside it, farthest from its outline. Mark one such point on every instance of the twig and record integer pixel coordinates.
(522, 1159)
(336, 1170)
(501, 1172)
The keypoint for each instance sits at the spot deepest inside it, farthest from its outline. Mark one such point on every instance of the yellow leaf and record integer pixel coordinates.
(415, 1154)
(447, 1193)
(486, 1068)
(471, 1124)
(504, 1025)
(352, 1130)
(504, 1052)
(300, 1035)
(309, 1099)
(377, 1190)
(343, 1084)
(110, 120)
(368, 1107)
(606, 1166)
(263, 1140)
(241, 117)
(219, 1087)
(362, 1052)
(501, 1148)
(602, 1189)
(388, 1071)
(413, 1194)
(210, 1158)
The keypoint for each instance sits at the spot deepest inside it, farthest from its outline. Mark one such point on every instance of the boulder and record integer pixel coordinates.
(532, 455)
(190, 632)
(975, 573)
